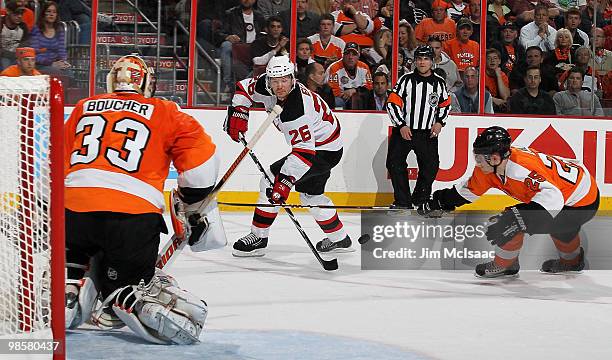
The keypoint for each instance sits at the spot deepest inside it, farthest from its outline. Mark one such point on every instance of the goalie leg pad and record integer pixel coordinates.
(165, 313)
(78, 310)
(132, 321)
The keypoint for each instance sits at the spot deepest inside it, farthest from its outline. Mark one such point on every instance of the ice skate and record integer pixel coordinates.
(555, 266)
(492, 270)
(328, 246)
(249, 246)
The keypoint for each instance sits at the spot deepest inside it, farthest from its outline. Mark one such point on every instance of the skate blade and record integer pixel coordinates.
(339, 251)
(500, 277)
(254, 253)
(562, 273)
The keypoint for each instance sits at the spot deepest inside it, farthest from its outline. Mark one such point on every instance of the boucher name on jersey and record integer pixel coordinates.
(101, 105)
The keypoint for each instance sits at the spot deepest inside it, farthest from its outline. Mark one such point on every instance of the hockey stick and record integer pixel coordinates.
(328, 265)
(300, 206)
(176, 244)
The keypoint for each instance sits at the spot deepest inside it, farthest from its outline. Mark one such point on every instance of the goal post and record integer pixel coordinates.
(32, 250)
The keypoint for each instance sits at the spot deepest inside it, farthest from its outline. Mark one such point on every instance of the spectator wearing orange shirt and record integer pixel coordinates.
(439, 25)
(26, 64)
(496, 81)
(463, 51)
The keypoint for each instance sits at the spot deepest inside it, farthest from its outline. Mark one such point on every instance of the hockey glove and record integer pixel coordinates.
(198, 226)
(237, 121)
(438, 204)
(186, 221)
(281, 189)
(430, 209)
(503, 227)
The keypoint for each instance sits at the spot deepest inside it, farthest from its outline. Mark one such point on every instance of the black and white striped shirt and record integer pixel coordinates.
(418, 101)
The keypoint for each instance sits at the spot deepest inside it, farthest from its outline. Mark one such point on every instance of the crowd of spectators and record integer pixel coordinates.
(21, 28)
(351, 43)
(532, 49)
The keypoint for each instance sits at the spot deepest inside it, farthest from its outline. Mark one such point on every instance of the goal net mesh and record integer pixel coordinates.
(25, 221)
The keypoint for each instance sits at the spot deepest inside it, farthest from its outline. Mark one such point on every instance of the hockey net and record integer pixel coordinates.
(31, 209)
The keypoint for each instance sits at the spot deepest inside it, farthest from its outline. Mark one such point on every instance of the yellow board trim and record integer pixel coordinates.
(487, 203)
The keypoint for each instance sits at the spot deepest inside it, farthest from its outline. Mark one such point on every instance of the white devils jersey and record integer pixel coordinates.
(307, 122)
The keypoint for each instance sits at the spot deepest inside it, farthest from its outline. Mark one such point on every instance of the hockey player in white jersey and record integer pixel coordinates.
(313, 132)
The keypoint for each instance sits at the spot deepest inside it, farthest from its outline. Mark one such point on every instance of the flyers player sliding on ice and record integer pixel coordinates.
(557, 197)
(118, 150)
(313, 132)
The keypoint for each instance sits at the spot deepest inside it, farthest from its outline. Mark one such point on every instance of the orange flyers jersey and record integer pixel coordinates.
(334, 48)
(339, 79)
(463, 55)
(364, 37)
(342, 19)
(550, 181)
(428, 27)
(15, 71)
(118, 149)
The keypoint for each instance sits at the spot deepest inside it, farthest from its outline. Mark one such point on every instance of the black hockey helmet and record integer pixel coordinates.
(425, 51)
(494, 139)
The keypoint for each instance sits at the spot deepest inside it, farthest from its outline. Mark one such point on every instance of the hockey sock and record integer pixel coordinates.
(509, 252)
(262, 220)
(332, 227)
(568, 251)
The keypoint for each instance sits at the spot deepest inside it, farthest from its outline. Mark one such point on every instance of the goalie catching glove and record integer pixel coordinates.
(279, 193)
(237, 121)
(503, 227)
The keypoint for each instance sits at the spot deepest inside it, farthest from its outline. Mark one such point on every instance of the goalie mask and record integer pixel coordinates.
(131, 73)
(279, 66)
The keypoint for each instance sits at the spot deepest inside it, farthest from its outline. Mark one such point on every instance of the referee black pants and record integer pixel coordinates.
(426, 150)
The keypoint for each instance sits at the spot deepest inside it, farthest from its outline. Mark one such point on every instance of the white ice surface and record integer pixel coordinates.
(284, 306)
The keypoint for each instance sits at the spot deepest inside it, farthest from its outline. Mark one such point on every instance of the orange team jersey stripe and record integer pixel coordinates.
(395, 99)
(361, 39)
(85, 199)
(445, 103)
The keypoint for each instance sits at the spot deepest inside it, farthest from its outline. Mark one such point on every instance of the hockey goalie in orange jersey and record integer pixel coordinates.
(118, 149)
(557, 197)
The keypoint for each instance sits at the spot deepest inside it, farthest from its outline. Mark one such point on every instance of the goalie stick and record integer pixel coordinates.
(176, 243)
(328, 265)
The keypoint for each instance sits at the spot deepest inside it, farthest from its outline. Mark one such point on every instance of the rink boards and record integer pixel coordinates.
(361, 177)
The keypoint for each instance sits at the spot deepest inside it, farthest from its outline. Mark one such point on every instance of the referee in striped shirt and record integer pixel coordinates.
(418, 107)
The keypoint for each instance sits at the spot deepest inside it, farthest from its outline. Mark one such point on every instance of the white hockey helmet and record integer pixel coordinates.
(279, 66)
(131, 72)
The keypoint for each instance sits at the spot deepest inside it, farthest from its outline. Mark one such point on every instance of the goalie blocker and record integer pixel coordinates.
(557, 197)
